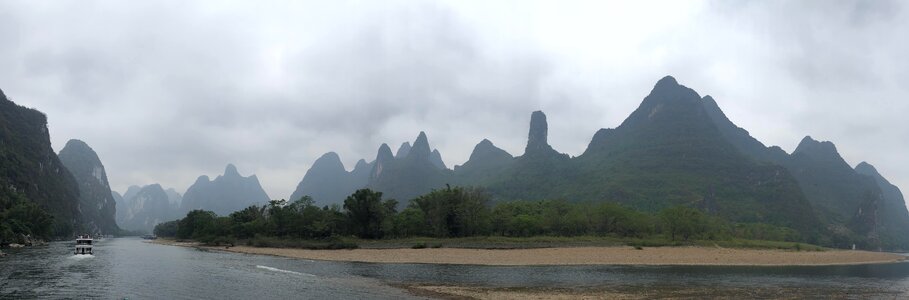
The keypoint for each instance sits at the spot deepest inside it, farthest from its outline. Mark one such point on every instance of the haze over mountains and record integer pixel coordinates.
(677, 148)
(225, 194)
(141, 208)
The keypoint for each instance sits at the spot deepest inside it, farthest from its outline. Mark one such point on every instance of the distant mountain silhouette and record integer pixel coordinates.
(174, 197)
(485, 157)
(327, 182)
(227, 193)
(95, 199)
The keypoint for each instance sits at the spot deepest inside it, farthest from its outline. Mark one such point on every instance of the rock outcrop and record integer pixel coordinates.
(95, 198)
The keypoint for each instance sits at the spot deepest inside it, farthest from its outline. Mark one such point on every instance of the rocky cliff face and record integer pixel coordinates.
(892, 217)
(226, 194)
(29, 167)
(95, 198)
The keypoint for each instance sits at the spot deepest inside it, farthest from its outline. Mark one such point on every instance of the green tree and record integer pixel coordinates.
(195, 224)
(685, 222)
(21, 217)
(167, 229)
(616, 219)
(410, 222)
(248, 222)
(455, 212)
(366, 213)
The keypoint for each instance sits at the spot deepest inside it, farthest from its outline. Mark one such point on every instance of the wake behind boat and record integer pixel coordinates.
(83, 245)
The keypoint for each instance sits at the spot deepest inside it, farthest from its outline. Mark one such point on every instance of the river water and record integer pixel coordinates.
(129, 268)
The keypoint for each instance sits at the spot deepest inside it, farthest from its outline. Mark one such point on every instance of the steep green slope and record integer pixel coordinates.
(29, 167)
(845, 201)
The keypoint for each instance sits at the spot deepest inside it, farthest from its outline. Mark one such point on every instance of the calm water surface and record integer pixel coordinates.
(128, 268)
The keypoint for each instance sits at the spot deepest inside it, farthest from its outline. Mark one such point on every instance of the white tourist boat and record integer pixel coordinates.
(83, 245)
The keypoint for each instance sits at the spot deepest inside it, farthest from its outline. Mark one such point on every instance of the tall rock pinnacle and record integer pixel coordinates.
(537, 137)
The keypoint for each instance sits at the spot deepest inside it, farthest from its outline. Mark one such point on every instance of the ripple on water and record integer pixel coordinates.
(283, 271)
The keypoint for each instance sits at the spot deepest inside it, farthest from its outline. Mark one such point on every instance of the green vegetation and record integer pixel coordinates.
(34, 185)
(21, 219)
(463, 217)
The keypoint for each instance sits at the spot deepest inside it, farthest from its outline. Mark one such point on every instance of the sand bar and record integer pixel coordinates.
(578, 256)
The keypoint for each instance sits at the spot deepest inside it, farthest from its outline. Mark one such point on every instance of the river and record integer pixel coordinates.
(129, 268)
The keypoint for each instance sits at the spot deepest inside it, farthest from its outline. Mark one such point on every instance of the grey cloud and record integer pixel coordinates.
(167, 91)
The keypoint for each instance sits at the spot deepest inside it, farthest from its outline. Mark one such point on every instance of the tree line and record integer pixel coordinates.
(454, 212)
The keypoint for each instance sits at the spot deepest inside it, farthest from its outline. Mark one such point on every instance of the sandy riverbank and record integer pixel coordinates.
(576, 256)
(648, 292)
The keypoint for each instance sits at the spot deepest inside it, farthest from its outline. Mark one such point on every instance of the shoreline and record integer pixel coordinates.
(619, 255)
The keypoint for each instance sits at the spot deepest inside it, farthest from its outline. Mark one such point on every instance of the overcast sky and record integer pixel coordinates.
(165, 91)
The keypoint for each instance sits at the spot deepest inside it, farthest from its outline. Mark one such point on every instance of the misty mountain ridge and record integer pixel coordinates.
(676, 148)
(225, 194)
(141, 208)
(143, 213)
